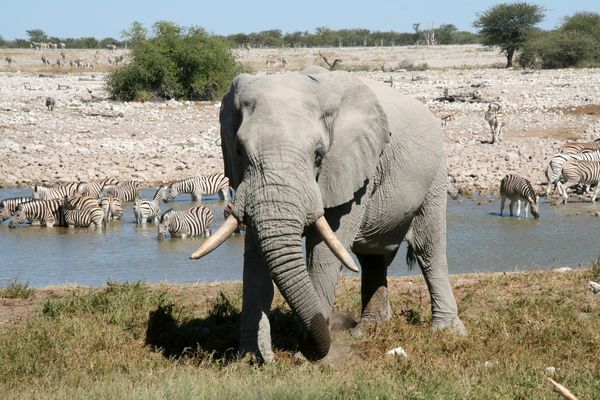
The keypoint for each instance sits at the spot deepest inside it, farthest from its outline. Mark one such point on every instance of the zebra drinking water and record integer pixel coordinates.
(112, 207)
(149, 210)
(198, 186)
(517, 188)
(8, 206)
(195, 221)
(580, 172)
(83, 211)
(39, 212)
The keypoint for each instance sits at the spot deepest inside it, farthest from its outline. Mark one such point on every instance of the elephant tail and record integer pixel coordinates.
(411, 257)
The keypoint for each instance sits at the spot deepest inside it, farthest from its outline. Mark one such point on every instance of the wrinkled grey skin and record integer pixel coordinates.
(303, 144)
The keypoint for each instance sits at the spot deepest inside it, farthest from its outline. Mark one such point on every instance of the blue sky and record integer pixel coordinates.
(108, 18)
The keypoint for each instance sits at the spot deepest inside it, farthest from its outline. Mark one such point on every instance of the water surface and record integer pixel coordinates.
(479, 240)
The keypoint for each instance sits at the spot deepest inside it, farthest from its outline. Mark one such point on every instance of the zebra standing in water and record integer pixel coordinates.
(47, 212)
(125, 191)
(495, 118)
(195, 221)
(8, 206)
(198, 186)
(574, 148)
(555, 166)
(83, 211)
(580, 172)
(149, 210)
(94, 188)
(517, 188)
(41, 192)
(112, 207)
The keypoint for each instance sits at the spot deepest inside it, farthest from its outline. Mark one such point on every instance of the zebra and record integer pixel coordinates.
(112, 207)
(580, 172)
(47, 212)
(50, 103)
(83, 211)
(149, 210)
(41, 192)
(94, 188)
(495, 118)
(125, 191)
(554, 168)
(227, 213)
(8, 206)
(517, 188)
(10, 60)
(195, 221)
(574, 148)
(198, 186)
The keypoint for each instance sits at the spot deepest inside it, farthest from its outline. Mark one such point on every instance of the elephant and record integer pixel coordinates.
(352, 165)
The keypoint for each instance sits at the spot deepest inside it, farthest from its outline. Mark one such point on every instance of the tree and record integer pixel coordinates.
(508, 26)
(36, 35)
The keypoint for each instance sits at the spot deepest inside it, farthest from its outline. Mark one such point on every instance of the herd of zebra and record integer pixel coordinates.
(94, 204)
(577, 164)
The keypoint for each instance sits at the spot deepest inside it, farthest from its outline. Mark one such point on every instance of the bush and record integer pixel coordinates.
(16, 290)
(575, 44)
(176, 63)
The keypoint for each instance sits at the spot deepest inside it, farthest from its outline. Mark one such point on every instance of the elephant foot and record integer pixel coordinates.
(453, 325)
(265, 356)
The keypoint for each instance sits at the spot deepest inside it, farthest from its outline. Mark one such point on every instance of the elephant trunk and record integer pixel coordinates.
(281, 248)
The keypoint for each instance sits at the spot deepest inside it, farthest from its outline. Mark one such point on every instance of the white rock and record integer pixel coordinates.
(563, 269)
(594, 287)
(398, 351)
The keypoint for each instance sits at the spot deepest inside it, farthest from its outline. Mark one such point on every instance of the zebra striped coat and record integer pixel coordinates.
(57, 192)
(82, 211)
(149, 210)
(45, 212)
(112, 207)
(94, 188)
(580, 172)
(574, 148)
(495, 119)
(555, 166)
(8, 206)
(125, 191)
(199, 186)
(517, 188)
(195, 221)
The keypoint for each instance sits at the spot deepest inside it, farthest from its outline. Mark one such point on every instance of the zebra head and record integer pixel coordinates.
(17, 218)
(170, 193)
(163, 226)
(4, 214)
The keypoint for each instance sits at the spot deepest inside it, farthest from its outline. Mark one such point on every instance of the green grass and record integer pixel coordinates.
(16, 290)
(132, 341)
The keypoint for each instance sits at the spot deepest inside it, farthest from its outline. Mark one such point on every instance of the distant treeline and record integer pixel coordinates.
(275, 38)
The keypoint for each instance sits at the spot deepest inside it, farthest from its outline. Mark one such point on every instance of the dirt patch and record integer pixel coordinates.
(560, 133)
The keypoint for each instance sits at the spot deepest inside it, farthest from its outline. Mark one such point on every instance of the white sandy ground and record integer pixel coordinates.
(88, 136)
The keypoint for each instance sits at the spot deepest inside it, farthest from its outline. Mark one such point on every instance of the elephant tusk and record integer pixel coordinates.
(334, 244)
(217, 238)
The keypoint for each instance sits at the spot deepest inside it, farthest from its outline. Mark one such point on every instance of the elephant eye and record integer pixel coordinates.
(319, 153)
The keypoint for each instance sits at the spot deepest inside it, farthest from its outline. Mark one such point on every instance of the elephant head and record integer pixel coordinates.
(294, 144)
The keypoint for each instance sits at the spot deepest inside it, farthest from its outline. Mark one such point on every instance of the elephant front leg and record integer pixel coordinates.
(255, 330)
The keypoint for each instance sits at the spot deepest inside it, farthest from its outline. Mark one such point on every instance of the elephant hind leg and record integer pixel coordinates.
(374, 292)
(427, 244)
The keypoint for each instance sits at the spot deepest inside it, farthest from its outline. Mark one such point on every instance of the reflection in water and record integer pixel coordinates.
(479, 240)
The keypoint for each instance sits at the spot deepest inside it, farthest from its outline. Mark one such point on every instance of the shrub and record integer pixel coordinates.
(16, 290)
(174, 63)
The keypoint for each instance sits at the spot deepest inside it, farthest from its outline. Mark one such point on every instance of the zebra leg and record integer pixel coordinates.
(518, 208)
(510, 207)
(526, 210)
(595, 193)
(224, 194)
(502, 202)
(206, 233)
(564, 187)
(258, 290)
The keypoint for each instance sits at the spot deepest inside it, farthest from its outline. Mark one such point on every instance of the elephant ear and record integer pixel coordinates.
(359, 131)
(230, 118)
